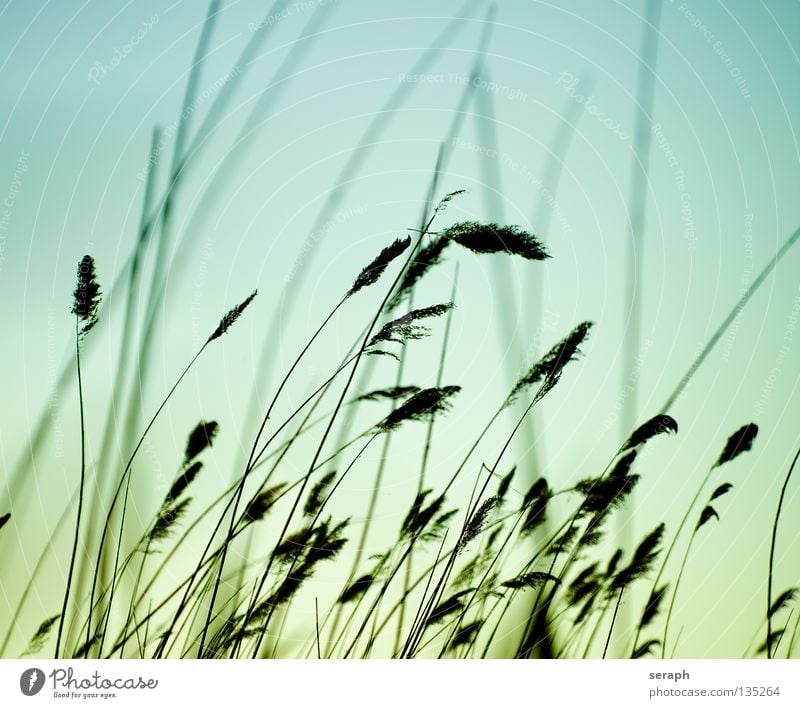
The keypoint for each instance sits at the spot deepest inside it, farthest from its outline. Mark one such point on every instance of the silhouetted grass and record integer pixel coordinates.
(461, 598)
(772, 608)
(457, 604)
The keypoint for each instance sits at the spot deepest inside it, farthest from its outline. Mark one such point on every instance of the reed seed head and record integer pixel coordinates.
(199, 439)
(547, 371)
(391, 394)
(741, 441)
(183, 481)
(423, 261)
(645, 648)
(531, 580)
(708, 513)
(784, 599)
(227, 321)
(356, 589)
(720, 491)
(86, 296)
(407, 327)
(643, 558)
(492, 238)
(477, 522)
(655, 426)
(379, 264)
(653, 606)
(425, 405)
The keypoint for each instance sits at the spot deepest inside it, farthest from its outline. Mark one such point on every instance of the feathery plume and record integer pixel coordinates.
(37, 641)
(167, 518)
(601, 495)
(391, 394)
(414, 511)
(643, 558)
(547, 371)
(327, 544)
(623, 465)
(419, 516)
(446, 199)
(720, 491)
(227, 321)
(424, 260)
(259, 506)
(199, 439)
(613, 563)
(290, 585)
(741, 441)
(296, 542)
(706, 515)
(379, 264)
(505, 484)
(645, 649)
(535, 501)
(182, 482)
(356, 589)
(593, 533)
(587, 606)
(315, 496)
(492, 238)
(562, 543)
(771, 641)
(467, 633)
(407, 327)
(425, 405)
(584, 584)
(653, 605)
(435, 531)
(477, 522)
(655, 426)
(530, 580)
(782, 600)
(86, 296)
(83, 649)
(448, 607)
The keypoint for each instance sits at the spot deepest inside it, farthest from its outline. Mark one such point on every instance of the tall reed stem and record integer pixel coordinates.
(80, 489)
(772, 553)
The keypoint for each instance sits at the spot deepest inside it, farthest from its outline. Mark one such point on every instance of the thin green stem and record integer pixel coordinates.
(772, 553)
(126, 472)
(80, 490)
(613, 621)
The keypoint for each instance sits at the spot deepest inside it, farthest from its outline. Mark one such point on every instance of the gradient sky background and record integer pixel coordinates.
(75, 130)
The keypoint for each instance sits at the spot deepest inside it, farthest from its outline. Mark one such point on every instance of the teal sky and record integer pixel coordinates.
(85, 83)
